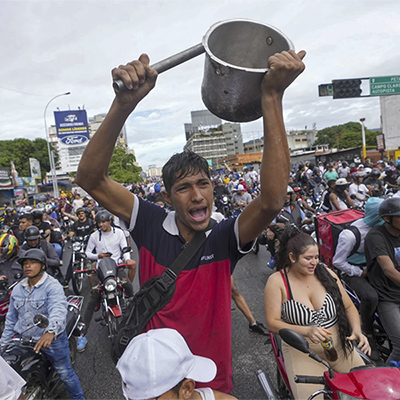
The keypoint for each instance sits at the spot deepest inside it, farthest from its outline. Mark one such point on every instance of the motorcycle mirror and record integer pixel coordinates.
(126, 249)
(295, 340)
(41, 321)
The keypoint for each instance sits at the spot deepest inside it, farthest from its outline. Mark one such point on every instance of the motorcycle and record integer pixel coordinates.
(112, 297)
(42, 381)
(365, 382)
(383, 343)
(78, 261)
(65, 225)
(224, 206)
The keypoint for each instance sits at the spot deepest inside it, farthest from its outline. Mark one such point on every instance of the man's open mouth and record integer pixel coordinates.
(198, 214)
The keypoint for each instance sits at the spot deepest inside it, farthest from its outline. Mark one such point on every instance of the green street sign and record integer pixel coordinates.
(384, 85)
(326, 89)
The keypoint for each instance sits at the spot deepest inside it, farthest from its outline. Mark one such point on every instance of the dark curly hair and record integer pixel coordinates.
(297, 242)
(181, 165)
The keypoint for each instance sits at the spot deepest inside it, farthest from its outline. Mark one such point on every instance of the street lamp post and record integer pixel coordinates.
(51, 155)
(363, 138)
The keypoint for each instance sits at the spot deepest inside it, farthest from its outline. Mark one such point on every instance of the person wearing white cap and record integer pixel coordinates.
(159, 364)
(340, 198)
(241, 198)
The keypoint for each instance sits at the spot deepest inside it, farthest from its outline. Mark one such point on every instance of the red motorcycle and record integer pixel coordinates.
(365, 382)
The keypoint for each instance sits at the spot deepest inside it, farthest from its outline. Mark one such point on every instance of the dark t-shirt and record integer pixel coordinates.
(379, 242)
(43, 227)
(83, 228)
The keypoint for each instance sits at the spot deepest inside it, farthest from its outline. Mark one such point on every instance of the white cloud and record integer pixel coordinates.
(50, 47)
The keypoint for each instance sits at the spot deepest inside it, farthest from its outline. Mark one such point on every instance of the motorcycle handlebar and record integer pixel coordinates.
(91, 270)
(19, 341)
(123, 265)
(317, 380)
(85, 271)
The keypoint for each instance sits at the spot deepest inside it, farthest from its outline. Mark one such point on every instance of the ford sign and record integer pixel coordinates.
(74, 139)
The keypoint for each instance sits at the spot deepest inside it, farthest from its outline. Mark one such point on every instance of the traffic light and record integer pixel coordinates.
(344, 88)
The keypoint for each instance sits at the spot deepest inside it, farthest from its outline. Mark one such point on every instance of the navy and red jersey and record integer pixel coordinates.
(201, 307)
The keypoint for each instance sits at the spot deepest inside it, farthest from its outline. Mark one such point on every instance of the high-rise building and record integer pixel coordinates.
(208, 137)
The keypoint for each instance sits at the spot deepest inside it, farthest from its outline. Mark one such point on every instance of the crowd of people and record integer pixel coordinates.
(185, 351)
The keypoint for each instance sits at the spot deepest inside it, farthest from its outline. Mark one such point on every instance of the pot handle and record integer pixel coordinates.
(167, 63)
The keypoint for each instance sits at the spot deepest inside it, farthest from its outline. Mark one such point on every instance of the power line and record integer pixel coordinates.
(18, 91)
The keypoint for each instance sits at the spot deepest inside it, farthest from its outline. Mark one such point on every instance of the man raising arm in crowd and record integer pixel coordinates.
(200, 308)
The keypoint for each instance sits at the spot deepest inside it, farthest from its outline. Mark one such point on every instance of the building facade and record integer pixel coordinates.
(208, 137)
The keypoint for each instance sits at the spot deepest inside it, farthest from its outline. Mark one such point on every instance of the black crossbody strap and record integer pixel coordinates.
(187, 253)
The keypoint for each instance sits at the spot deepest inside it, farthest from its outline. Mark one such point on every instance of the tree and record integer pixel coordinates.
(349, 136)
(122, 167)
(20, 150)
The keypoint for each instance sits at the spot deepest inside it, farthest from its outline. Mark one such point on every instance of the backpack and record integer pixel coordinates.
(328, 228)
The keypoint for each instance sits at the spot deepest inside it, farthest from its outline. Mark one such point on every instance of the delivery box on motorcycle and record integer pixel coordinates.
(328, 227)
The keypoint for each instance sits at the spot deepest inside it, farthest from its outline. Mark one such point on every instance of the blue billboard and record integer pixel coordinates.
(72, 126)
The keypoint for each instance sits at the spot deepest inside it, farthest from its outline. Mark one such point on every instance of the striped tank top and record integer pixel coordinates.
(296, 313)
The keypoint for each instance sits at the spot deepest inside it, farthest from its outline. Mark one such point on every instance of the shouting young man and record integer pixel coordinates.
(200, 309)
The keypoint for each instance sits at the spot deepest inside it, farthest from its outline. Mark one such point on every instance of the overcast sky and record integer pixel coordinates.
(51, 47)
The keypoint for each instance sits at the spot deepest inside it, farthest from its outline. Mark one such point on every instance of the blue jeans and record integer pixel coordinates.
(59, 250)
(389, 313)
(58, 354)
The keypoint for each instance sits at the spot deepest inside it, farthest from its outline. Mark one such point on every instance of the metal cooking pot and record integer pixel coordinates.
(236, 60)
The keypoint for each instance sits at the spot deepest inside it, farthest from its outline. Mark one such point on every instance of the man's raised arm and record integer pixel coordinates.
(92, 173)
(275, 167)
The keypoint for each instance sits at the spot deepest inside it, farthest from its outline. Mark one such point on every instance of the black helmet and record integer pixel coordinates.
(103, 215)
(8, 246)
(32, 233)
(390, 207)
(37, 214)
(34, 254)
(375, 172)
(9, 209)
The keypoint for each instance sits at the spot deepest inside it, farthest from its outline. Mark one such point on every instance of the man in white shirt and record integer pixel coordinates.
(77, 203)
(357, 190)
(107, 241)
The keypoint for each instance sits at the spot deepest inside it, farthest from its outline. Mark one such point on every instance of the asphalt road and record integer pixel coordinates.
(100, 379)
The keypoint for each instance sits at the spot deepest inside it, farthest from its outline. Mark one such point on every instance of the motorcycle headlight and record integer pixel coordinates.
(344, 396)
(76, 246)
(309, 202)
(110, 285)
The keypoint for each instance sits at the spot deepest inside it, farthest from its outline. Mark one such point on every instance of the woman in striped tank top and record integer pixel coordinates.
(306, 296)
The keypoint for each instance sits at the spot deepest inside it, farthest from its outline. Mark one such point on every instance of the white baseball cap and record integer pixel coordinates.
(156, 361)
(239, 187)
(342, 181)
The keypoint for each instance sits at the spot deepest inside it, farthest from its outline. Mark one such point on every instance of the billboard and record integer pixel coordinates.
(5, 179)
(35, 168)
(72, 127)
